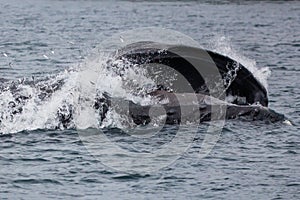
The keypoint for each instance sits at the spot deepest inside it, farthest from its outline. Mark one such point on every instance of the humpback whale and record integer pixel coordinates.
(249, 98)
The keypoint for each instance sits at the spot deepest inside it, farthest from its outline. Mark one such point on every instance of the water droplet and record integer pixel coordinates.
(287, 122)
(121, 39)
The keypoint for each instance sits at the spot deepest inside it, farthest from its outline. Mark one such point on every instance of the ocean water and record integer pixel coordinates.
(251, 160)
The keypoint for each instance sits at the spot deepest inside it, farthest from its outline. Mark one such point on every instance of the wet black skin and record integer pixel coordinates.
(173, 110)
(243, 85)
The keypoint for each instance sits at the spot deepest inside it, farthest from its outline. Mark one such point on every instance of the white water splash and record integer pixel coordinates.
(222, 45)
(70, 92)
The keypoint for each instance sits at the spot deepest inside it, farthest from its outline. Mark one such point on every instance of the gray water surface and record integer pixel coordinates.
(252, 160)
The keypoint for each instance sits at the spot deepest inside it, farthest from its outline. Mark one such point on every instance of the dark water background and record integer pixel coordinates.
(252, 160)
